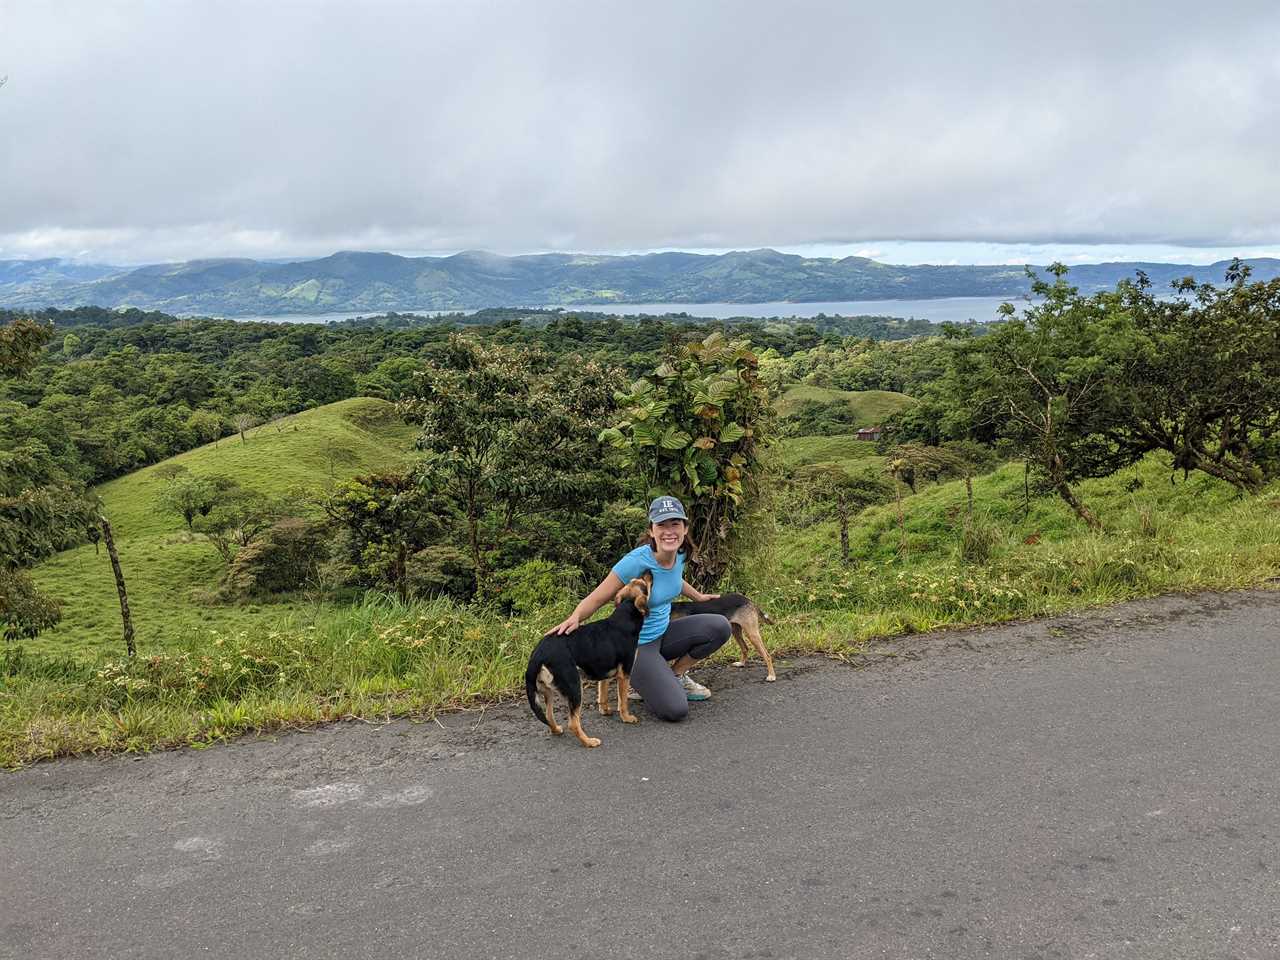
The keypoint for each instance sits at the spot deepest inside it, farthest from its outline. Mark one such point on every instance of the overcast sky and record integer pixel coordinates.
(927, 131)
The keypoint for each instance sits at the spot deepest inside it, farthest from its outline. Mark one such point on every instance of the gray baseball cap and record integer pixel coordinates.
(666, 508)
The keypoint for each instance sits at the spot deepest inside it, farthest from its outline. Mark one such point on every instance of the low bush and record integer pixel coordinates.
(283, 559)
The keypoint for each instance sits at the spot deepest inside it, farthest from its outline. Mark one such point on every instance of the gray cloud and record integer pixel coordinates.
(166, 130)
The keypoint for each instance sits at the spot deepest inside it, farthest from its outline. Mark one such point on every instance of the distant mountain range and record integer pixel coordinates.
(379, 282)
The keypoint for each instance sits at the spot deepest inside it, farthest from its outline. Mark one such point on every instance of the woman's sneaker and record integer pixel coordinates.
(693, 689)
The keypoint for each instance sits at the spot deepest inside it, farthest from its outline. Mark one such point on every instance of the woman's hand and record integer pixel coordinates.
(568, 626)
(693, 593)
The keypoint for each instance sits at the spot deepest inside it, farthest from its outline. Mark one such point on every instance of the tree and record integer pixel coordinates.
(386, 518)
(510, 436)
(190, 497)
(842, 494)
(24, 610)
(206, 426)
(40, 512)
(696, 427)
(972, 459)
(1051, 383)
(238, 517)
(243, 422)
(1204, 384)
(21, 341)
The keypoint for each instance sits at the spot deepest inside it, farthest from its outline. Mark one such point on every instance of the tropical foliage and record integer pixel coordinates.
(697, 427)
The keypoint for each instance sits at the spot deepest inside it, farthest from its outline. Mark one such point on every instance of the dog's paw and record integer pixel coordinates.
(557, 731)
(739, 663)
(591, 742)
(630, 718)
(770, 678)
(606, 712)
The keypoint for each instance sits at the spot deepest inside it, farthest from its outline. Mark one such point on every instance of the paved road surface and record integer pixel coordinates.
(1097, 786)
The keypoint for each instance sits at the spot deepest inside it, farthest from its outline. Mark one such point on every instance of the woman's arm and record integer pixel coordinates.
(692, 594)
(592, 602)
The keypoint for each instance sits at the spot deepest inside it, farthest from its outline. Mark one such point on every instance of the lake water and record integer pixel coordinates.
(939, 310)
(333, 317)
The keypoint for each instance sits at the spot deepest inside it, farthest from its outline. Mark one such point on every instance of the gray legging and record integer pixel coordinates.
(697, 636)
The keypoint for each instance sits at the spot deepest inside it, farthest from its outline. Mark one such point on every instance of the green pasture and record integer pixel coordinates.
(869, 407)
(170, 573)
(844, 449)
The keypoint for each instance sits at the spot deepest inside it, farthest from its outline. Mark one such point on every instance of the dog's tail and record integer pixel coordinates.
(531, 689)
(764, 616)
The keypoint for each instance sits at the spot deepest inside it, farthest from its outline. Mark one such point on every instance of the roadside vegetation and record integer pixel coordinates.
(368, 560)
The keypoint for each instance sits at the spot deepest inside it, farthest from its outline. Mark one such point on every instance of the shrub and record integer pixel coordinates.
(284, 558)
(979, 538)
(440, 570)
(537, 584)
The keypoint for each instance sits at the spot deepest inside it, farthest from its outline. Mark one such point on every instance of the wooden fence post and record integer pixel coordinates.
(124, 598)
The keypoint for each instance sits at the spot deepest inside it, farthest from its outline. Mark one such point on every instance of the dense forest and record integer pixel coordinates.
(115, 391)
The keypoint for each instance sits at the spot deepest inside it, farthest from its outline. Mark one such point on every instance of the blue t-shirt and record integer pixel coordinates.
(666, 587)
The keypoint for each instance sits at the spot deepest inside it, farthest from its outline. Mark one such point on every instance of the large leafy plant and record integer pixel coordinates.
(696, 427)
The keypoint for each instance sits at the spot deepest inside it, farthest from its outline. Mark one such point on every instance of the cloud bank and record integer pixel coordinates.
(164, 129)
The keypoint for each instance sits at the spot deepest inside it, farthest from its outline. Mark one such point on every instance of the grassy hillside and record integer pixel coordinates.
(166, 569)
(1014, 559)
(868, 407)
(845, 449)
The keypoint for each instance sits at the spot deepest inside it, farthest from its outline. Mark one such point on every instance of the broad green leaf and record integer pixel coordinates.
(612, 436)
(675, 439)
(732, 432)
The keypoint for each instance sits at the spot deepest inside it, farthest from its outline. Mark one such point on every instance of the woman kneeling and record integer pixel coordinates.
(665, 688)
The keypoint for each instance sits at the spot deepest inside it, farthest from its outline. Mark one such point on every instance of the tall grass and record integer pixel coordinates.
(378, 658)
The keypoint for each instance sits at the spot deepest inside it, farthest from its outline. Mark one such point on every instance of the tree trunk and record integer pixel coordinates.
(968, 489)
(473, 530)
(124, 597)
(1083, 512)
(1237, 478)
(902, 519)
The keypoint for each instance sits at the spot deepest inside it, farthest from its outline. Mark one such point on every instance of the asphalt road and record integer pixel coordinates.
(1095, 786)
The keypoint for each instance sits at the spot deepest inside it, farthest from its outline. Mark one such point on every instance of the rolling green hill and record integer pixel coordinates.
(844, 449)
(167, 569)
(868, 407)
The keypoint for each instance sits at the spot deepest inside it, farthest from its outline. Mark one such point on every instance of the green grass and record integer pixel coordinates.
(869, 407)
(1161, 537)
(844, 449)
(375, 659)
(168, 572)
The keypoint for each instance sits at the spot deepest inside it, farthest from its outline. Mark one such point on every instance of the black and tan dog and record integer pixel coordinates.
(603, 649)
(744, 618)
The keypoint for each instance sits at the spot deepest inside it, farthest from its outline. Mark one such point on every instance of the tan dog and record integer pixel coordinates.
(744, 618)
